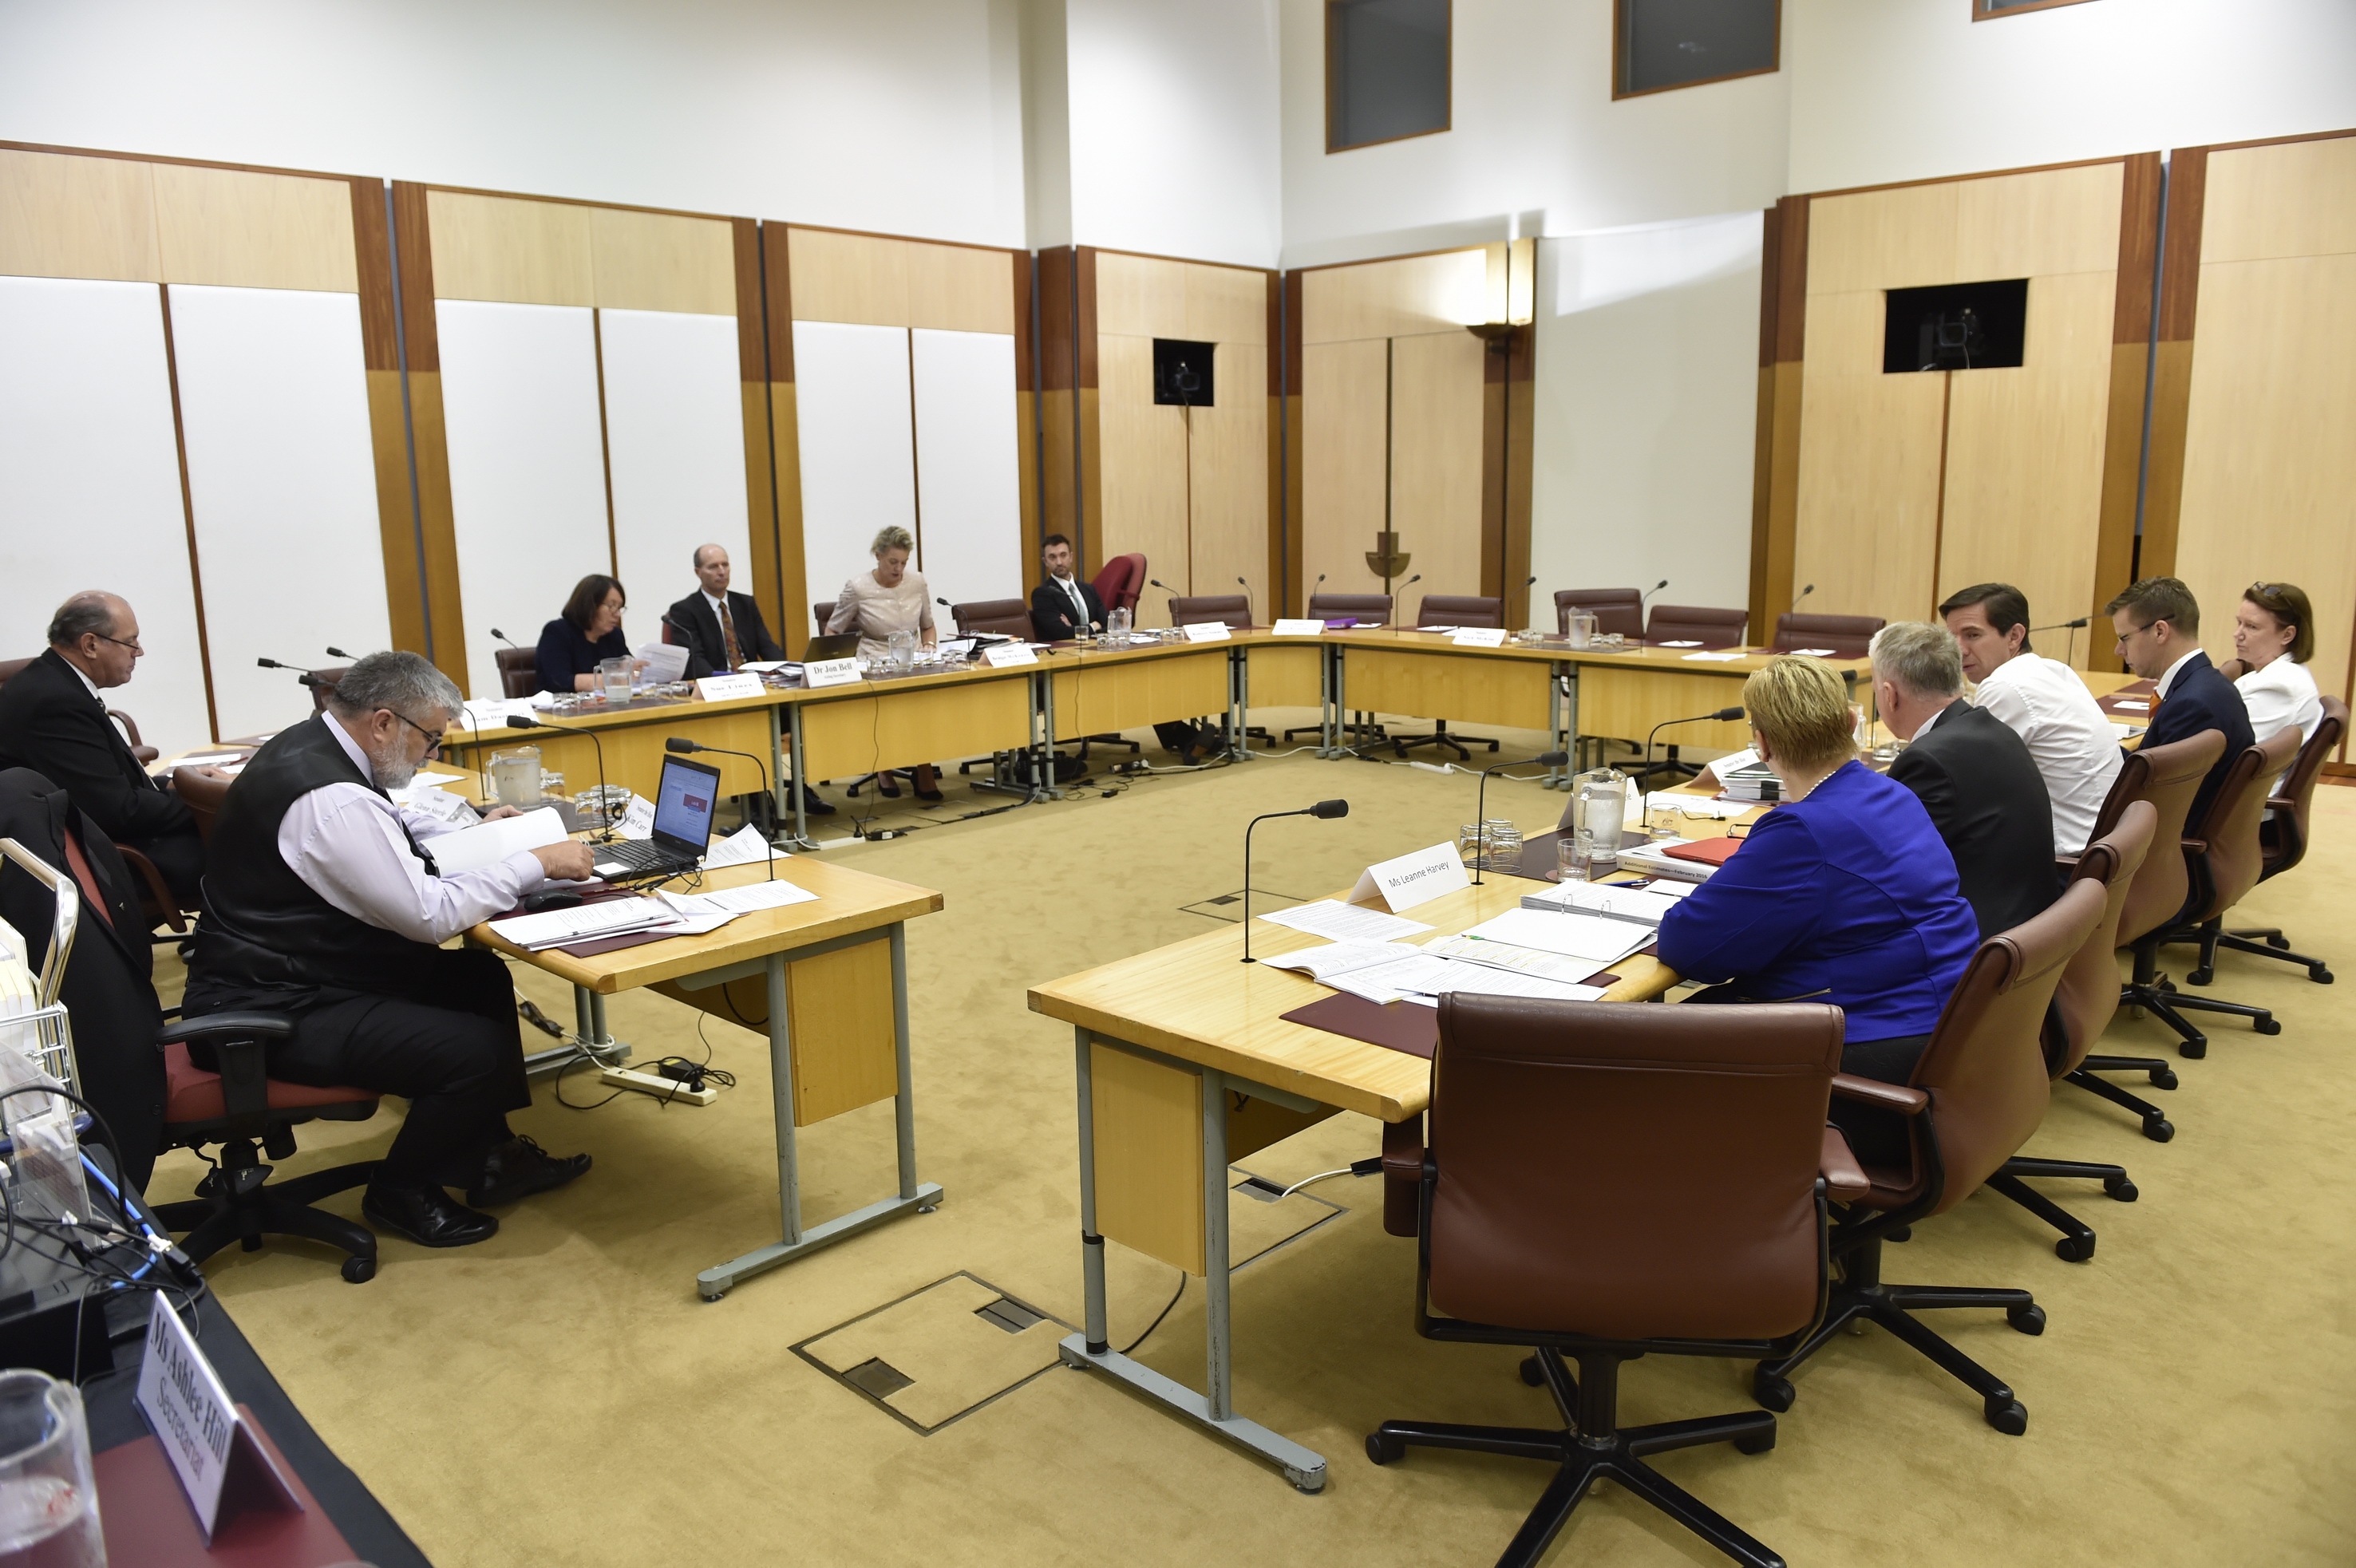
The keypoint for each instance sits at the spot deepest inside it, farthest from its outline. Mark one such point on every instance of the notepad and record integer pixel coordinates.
(487, 843)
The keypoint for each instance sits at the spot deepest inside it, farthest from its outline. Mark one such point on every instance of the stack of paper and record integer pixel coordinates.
(1594, 939)
(1383, 972)
(1637, 905)
(666, 662)
(1654, 861)
(584, 923)
(1338, 922)
(487, 843)
(745, 846)
(1696, 806)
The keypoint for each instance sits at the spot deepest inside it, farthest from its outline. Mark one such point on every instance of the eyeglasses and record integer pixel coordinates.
(132, 644)
(433, 740)
(2147, 626)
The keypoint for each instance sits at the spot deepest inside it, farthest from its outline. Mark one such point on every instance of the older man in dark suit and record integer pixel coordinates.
(53, 720)
(2158, 626)
(1972, 773)
(723, 631)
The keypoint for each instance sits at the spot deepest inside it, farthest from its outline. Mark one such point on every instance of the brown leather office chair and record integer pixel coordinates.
(998, 617)
(1696, 623)
(2282, 842)
(1977, 1096)
(2224, 858)
(139, 747)
(2166, 777)
(519, 671)
(1235, 609)
(202, 796)
(2083, 1005)
(320, 682)
(10, 669)
(1690, 1222)
(1366, 609)
(1452, 610)
(1848, 636)
(820, 614)
(157, 904)
(1620, 609)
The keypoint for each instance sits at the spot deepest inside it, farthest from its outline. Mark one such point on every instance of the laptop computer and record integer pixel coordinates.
(840, 646)
(684, 802)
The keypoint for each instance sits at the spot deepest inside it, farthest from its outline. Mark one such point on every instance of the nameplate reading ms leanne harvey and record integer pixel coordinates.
(829, 672)
(1206, 632)
(997, 655)
(720, 687)
(200, 1431)
(1412, 878)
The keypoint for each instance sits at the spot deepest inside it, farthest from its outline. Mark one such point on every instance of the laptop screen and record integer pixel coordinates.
(685, 801)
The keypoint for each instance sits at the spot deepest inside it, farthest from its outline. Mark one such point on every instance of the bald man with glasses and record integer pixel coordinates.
(53, 720)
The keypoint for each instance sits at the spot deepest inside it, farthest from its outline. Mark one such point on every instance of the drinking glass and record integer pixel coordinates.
(1503, 842)
(48, 1502)
(1572, 854)
(614, 675)
(1660, 817)
(1468, 848)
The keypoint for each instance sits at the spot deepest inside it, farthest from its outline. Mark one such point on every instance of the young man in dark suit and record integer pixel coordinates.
(1064, 605)
(2158, 626)
(723, 631)
(53, 720)
(1972, 773)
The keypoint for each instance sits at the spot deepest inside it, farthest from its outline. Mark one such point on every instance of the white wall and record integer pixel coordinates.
(859, 468)
(1647, 357)
(904, 117)
(1173, 128)
(1885, 91)
(675, 436)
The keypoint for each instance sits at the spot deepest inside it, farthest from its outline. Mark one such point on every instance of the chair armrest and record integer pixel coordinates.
(1874, 1092)
(1402, 1174)
(1844, 1177)
(2281, 803)
(239, 1044)
(159, 897)
(2194, 846)
(2065, 864)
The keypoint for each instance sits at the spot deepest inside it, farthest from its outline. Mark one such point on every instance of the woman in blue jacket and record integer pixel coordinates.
(1844, 893)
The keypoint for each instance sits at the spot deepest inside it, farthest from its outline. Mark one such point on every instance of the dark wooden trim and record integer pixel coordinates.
(1620, 88)
(1084, 315)
(1059, 413)
(1027, 454)
(372, 263)
(1087, 450)
(606, 448)
(752, 336)
(188, 511)
(1981, 15)
(420, 339)
(1974, 175)
(429, 450)
(1058, 362)
(1792, 281)
(1289, 407)
(2237, 146)
(785, 434)
(2179, 266)
(777, 303)
(757, 413)
(2138, 249)
(1771, 264)
(1448, 124)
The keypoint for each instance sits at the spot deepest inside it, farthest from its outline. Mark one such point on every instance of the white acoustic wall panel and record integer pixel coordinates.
(89, 485)
(850, 396)
(282, 480)
(675, 434)
(527, 469)
(967, 487)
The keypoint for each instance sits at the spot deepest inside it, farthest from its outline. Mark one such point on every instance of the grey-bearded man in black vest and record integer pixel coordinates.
(322, 900)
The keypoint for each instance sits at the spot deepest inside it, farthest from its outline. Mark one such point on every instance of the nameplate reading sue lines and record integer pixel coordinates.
(1287, 628)
(720, 687)
(1411, 879)
(203, 1435)
(1206, 632)
(997, 655)
(1479, 637)
(820, 673)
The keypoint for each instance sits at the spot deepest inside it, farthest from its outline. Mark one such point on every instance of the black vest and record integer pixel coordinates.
(265, 938)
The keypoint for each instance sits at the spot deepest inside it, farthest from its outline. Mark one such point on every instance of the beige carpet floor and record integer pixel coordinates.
(559, 1396)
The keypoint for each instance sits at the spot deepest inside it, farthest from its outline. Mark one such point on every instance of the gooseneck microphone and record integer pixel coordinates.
(1723, 714)
(507, 640)
(683, 744)
(1648, 593)
(2064, 626)
(1247, 588)
(336, 652)
(1811, 588)
(1323, 809)
(534, 722)
(1481, 804)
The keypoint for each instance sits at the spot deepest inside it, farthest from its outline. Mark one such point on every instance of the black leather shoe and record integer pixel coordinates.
(426, 1215)
(519, 1167)
(814, 805)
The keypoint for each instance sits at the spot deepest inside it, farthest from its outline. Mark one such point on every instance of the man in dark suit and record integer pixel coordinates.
(724, 631)
(106, 986)
(53, 720)
(1063, 606)
(2158, 626)
(1973, 774)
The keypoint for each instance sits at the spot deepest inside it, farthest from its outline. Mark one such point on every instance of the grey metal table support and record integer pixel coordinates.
(1042, 700)
(1329, 690)
(589, 1030)
(1215, 1409)
(798, 1239)
(1562, 710)
(1240, 701)
(786, 717)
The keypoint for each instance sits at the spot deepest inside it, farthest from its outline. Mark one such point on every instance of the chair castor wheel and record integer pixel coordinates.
(2029, 1317)
(2194, 1050)
(2200, 977)
(360, 1271)
(2164, 1078)
(2074, 1249)
(1532, 1373)
(2319, 973)
(1757, 1442)
(2121, 1188)
(1903, 1234)
(2266, 1025)
(1382, 1450)
(2007, 1416)
(2159, 1129)
(1775, 1393)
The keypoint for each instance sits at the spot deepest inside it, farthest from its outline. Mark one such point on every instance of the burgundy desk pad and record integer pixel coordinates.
(1409, 1026)
(149, 1523)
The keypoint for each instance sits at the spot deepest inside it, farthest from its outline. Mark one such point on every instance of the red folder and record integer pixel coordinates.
(1708, 851)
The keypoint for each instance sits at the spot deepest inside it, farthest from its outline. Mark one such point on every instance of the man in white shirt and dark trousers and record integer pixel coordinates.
(2041, 701)
(323, 902)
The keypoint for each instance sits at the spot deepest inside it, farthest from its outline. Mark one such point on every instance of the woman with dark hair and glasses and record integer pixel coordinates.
(589, 631)
(2273, 637)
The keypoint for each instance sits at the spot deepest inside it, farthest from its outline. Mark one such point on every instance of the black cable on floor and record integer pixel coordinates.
(1150, 1328)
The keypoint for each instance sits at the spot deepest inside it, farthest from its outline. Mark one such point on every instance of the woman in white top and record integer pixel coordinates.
(2274, 636)
(878, 602)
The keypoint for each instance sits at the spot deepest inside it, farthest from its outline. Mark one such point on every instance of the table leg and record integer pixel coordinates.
(714, 1283)
(588, 1030)
(1239, 702)
(1562, 700)
(792, 713)
(1325, 684)
(1304, 1468)
(1047, 784)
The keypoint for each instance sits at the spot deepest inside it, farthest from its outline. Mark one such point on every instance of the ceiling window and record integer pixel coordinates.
(1386, 70)
(1661, 44)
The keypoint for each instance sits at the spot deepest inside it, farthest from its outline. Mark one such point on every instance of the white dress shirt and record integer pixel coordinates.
(2281, 694)
(2068, 735)
(345, 841)
(1080, 603)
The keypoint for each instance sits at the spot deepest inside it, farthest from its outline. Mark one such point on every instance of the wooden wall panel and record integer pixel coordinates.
(653, 260)
(244, 230)
(2292, 198)
(514, 252)
(1229, 526)
(1410, 295)
(1878, 240)
(1143, 461)
(958, 288)
(63, 217)
(1140, 296)
(1227, 304)
(1344, 413)
(2035, 224)
(1435, 451)
(875, 281)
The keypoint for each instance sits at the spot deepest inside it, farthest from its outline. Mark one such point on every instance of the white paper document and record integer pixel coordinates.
(2124, 705)
(1290, 628)
(745, 846)
(1359, 967)
(582, 922)
(1654, 861)
(1679, 643)
(1816, 653)
(1410, 879)
(1710, 658)
(1338, 922)
(2126, 732)
(1586, 937)
(1482, 980)
(666, 662)
(1637, 904)
(1697, 806)
(487, 843)
(763, 667)
(1531, 961)
(743, 900)
(209, 759)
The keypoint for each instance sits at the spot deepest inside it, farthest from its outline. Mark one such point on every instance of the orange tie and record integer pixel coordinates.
(728, 636)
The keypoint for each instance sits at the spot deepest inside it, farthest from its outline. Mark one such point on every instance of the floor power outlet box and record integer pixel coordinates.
(661, 1088)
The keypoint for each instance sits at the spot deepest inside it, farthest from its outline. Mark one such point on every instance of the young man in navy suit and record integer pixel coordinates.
(2158, 626)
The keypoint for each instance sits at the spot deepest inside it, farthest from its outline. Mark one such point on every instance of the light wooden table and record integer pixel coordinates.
(828, 982)
(1185, 1063)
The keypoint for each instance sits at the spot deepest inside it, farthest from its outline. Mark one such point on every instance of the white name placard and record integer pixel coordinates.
(1479, 637)
(197, 1427)
(720, 687)
(829, 672)
(1411, 879)
(997, 655)
(1206, 632)
(1287, 628)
